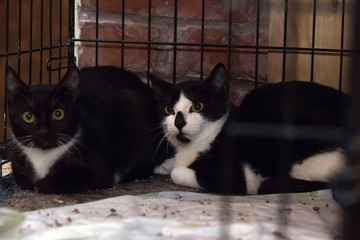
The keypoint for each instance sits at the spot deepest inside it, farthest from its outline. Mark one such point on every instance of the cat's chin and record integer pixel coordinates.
(181, 137)
(44, 146)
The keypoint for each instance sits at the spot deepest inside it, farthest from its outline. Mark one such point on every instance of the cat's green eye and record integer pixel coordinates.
(197, 107)
(28, 117)
(58, 114)
(169, 110)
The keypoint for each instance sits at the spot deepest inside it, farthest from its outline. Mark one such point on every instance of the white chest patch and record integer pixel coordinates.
(197, 129)
(43, 160)
(186, 154)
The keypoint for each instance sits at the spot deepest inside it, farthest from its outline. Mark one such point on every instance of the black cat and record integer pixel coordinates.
(96, 128)
(195, 115)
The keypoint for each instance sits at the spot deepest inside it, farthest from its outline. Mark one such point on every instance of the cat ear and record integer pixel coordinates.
(218, 78)
(158, 84)
(71, 81)
(14, 85)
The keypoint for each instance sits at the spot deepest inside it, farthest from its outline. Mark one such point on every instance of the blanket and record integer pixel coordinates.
(182, 215)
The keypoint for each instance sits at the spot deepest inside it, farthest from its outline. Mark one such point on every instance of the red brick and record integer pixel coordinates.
(189, 31)
(158, 8)
(135, 55)
(187, 9)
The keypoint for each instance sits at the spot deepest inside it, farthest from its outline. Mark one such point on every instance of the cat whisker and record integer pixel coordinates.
(165, 97)
(77, 143)
(162, 140)
(25, 140)
(66, 139)
(55, 97)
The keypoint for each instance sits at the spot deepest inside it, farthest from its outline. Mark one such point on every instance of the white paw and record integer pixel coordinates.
(166, 167)
(185, 176)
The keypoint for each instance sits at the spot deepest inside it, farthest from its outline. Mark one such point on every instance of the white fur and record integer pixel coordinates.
(253, 180)
(184, 176)
(166, 167)
(201, 132)
(321, 167)
(43, 160)
(194, 121)
(118, 176)
(187, 153)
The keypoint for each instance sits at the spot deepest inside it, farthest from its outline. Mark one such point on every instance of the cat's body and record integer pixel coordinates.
(96, 128)
(196, 115)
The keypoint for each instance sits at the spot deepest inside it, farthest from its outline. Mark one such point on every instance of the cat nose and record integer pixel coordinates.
(180, 121)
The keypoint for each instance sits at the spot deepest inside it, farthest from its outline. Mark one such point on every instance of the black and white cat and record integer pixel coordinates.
(96, 128)
(195, 115)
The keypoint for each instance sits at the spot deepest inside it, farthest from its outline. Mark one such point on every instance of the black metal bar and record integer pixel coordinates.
(224, 233)
(31, 41)
(202, 40)
(342, 44)
(348, 189)
(6, 63)
(97, 34)
(122, 33)
(286, 131)
(33, 50)
(175, 40)
(229, 49)
(60, 38)
(50, 67)
(257, 44)
(19, 38)
(234, 46)
(50, 40)
(41, 39)
(149, 40)
(285, 41)
(313, 43)
(71, 34)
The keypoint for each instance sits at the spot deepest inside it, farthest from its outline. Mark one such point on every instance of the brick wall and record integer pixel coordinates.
(162, 29)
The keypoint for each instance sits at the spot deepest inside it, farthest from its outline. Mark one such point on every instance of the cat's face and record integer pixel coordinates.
(188, 108)
(43, 117)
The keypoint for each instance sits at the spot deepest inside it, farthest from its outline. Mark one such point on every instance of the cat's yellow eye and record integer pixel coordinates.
(58, 114)
(28, 117)
(197, 107)
(169, 110)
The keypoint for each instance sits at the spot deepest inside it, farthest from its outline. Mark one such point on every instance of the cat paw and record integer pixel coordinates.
(166, 167)
(185, 176)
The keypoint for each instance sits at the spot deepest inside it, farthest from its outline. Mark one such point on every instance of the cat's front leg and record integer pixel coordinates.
(185, 176)
(24, 182)
(67, 181)
(166, 167)
(50, 185)
(23, 173)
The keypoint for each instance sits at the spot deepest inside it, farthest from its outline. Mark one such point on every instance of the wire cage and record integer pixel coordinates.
(259, 41)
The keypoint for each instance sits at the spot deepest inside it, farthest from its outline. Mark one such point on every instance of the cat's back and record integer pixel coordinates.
(106, 81)
(295, 101)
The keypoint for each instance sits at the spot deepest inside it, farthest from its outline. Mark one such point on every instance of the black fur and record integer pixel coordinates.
(221, 168)
(114, 115)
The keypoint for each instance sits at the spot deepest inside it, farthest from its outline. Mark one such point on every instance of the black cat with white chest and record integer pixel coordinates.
(94, 129)
(195, 115)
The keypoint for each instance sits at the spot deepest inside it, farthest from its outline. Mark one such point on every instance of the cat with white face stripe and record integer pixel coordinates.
(195, 115)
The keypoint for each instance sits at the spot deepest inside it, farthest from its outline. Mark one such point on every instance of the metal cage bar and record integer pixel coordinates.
(313, 43)
(350, 230)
